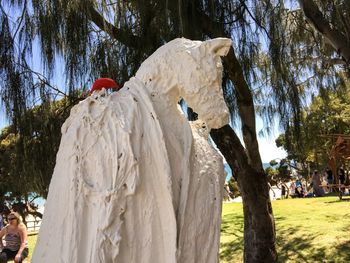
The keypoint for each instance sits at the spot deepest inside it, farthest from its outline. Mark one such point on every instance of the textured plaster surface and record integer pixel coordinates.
(134, 181)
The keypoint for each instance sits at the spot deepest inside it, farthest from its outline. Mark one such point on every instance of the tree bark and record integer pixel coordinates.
(246, 109)
(334, 36)
(259, 224)
(259, 227)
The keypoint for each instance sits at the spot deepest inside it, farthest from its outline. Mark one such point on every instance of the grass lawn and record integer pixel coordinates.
(31, 244)
(308, 230)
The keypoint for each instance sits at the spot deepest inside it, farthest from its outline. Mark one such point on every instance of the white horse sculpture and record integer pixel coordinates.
(132, 183)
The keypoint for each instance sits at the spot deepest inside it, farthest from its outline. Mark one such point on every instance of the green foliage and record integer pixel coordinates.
(271, 172)
(111, 38)
(278, 172)
(27, 159)
(328, 113)
(233, 185)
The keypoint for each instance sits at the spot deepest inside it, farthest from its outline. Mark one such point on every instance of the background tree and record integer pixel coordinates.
(232, 183)
(278, 172)
(27, 159)
(326, 114)
(331, 19)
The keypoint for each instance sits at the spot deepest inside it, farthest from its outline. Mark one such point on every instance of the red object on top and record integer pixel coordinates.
(106, 83)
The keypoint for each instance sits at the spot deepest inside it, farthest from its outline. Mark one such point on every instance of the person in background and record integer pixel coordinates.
(292, 189)
(299, 191)
(329, 178)
(2, 211)
(227, 192)
(341, 174)
(316, 184)
(309, 192)
(283, 191)
(324, 181)
(1, 221)
(16, 245)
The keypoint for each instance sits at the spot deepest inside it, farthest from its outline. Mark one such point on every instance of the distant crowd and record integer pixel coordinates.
(318, 185)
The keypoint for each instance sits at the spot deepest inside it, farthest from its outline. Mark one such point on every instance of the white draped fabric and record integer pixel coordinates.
(133, 184)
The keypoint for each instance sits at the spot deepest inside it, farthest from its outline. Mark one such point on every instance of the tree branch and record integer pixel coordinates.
(43, 79)
(21, 20)
(245, 107)
(334, 36)
(124, 36)
(255, 20)
(229, 144)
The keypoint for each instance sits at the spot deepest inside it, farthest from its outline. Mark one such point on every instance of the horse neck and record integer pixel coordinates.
(177, 134)
(165, 102)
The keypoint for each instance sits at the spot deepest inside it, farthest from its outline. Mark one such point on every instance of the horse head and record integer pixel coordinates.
(191, 70)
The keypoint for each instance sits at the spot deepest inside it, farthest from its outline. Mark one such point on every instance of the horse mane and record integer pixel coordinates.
(163, 58)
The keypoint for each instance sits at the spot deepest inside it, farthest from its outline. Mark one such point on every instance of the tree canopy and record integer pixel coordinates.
(277, 56)
(27, 160)
(327, 114)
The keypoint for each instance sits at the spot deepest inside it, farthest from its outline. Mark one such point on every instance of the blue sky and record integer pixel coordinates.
(267, 146)
(269, 151)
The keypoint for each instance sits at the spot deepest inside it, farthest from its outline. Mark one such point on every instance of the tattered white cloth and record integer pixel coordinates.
(110, 199)
(130, 188)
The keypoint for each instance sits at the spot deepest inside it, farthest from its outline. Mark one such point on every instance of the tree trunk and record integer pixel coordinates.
(259, 227)
(259, 224)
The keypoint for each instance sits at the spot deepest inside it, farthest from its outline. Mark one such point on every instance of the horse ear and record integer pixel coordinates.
(219, 46)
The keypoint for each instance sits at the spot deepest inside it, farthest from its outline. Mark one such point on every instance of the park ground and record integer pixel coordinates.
(307, 229)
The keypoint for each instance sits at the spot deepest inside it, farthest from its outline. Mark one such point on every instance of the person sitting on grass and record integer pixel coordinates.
(16, 245)
(299, 191)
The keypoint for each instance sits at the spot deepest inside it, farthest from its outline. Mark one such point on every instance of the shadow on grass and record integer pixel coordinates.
(332, 218)
(230, 250)
(338, 201)
(289, 249)
(294, 244)
(343, 251)
(345, 198)
(291, 246)
(294, 247)
(232, 226)
(227, 227)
